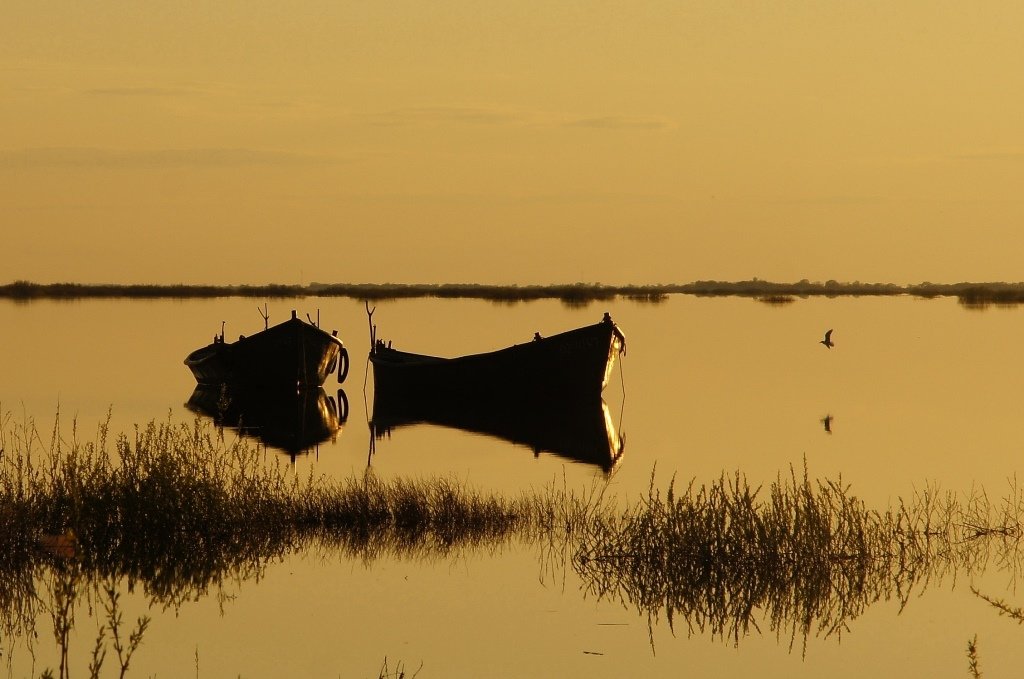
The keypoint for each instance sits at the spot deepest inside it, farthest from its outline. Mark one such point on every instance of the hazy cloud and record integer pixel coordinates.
(470, 115)
(620, 123)
(1014, 156)
(140, 92)
(449, 114)
(153, 158)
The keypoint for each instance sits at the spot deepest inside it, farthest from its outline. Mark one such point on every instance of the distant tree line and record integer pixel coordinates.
(573, 294)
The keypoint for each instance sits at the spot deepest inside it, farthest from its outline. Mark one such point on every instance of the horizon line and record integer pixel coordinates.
(572, 293)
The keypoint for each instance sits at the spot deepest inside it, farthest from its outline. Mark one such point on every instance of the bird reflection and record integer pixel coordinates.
(827, 422)
(828, 340)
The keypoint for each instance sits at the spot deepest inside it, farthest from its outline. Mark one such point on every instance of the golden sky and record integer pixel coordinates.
(511, 142)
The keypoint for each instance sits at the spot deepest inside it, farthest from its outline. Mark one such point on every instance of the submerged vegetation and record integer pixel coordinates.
(576, 294)
(178, 511)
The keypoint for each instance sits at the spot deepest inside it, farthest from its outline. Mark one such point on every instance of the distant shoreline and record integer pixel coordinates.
(969, 294)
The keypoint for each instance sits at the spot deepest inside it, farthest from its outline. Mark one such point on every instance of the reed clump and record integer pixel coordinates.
(177, 507)
(803, 556)
(180, 510)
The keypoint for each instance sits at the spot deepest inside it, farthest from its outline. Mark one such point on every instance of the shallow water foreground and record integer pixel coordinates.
(97, 540)
(922, 396)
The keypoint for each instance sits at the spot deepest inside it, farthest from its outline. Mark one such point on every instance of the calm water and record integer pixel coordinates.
(918, 392)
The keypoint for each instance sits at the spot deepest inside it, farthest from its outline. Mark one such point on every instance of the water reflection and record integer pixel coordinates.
(181, 513)
(578, 431)
(802, 558)
(291, 421)
(804, 561)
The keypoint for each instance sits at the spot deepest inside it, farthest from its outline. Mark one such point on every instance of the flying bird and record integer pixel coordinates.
(827, 421)
(828, 340)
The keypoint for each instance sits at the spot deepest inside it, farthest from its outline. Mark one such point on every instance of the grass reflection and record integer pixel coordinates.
(179, 511)
(177, 508)
(805, 556)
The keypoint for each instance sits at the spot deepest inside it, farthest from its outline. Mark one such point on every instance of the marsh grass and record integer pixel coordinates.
(66, 586)
(181, 511)
(973, 664)
(972, 295)
(397, 672)
(804, 556)
(1015, 613)
(176, 507)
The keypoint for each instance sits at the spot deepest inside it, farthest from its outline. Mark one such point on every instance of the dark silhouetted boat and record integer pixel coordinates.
(565, 367)
(581, 431)
(288, 355)
(293, 421)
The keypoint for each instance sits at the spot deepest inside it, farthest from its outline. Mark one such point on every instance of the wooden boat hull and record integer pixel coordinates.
(571, 365)
(290, 354)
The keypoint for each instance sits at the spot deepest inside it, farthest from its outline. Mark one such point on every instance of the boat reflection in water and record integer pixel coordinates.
(292, 421)
(545, 393)
(580, 431)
